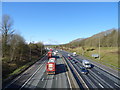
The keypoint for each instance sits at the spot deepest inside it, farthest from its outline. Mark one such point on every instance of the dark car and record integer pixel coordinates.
(69, 58)
(75, 61)
(84, 70)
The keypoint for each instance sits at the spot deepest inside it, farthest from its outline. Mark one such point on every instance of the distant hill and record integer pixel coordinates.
(77, 40)
(104, 33)
(106, 38)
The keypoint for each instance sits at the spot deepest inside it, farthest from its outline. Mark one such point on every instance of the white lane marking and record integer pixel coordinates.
(77, 74)
(34, 83)
(101, 79)
(45, 82)
(22, 74)
(69, 81)
(68, 77)
(31, 76)
(92, 62)
(42, 79)
(56, 78)
(117, 85)
(88, 79)
(90, 82)
(67, 73)
(101, 85)
(104, 70)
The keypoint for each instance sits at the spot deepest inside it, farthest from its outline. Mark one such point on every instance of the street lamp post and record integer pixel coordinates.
(99, 47)
(30, 48)
(41, 47)
(30, 52)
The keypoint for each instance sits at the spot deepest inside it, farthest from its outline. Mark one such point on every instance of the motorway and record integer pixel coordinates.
(35, 77)
(97, 77)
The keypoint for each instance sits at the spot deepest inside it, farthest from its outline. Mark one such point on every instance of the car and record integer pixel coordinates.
(68, 54)
(86, 64)
(74, 54)
(56, 51)
(70, 58)
(84, 70)
(75, 62)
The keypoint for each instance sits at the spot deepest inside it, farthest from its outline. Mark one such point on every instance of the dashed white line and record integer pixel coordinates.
(45, 82)
(21, 75)
(98, 77)
(101, 85)
(67, 74)
(105, 70)
(31, 76)
(56, 78)
(80, 78)
(117, 85)
(92, 84)
(42, 79)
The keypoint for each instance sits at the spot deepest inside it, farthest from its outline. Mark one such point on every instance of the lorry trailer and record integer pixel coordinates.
(51, 66)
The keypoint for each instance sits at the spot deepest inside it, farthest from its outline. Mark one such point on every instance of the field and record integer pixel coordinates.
(108, 55)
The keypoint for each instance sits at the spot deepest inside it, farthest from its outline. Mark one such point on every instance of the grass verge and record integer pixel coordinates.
(108, 55)
(18, 71)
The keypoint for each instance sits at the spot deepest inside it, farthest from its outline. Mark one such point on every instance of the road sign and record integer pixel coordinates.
(95, 55)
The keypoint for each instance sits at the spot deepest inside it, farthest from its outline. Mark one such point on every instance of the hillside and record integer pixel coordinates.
(108, 41)
(77, 40)
(106, 38)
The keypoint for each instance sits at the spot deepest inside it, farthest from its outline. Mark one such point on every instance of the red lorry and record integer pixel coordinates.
(51, 66)
(49, 54)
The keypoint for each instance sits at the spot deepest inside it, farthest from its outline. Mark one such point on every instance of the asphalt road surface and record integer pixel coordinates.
(97, 77)
(35, 77)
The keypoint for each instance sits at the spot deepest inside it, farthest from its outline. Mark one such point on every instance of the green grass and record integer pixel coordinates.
(21, 69)
(6, 79)
(17, 71)
(108, 55)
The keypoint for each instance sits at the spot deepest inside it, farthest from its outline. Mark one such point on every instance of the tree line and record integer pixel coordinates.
(15, 51)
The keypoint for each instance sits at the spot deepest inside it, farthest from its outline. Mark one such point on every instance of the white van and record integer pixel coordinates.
(74, 53)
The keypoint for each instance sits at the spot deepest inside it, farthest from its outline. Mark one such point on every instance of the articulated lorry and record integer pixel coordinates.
(51, 66)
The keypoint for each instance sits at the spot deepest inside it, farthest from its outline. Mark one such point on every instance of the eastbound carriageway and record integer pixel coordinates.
(97, 76)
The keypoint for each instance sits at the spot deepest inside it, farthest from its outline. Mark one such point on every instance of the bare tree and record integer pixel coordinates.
(15, 40)
(40, 45)
(7, 31)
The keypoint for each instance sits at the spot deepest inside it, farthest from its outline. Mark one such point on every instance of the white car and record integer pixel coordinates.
(54, 53)
(86, 63)
(68, 54)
